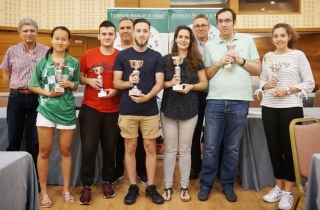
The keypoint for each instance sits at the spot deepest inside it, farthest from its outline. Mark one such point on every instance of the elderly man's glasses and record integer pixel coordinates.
(200, 26)
(224, 21)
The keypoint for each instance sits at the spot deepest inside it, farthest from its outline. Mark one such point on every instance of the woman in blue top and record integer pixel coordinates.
(179, 108)
(56, 109)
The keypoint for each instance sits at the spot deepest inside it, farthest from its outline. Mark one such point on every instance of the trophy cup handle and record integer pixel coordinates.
(230, 66)
(101, 93)
(58, 75)
(135, 64)
(177, 71)
(135, 90)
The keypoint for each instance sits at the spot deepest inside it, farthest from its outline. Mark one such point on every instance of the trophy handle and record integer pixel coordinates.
(99, 77)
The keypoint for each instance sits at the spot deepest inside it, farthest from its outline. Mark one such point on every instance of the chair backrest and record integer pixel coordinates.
(256, 102)
(316, 102)
(305, 141)
(3, 102)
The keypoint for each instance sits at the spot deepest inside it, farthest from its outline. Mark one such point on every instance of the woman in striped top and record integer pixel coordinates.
(285, 78)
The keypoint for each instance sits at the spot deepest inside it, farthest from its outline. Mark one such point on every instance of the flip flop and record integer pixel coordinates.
(185, 197)
(167, 194)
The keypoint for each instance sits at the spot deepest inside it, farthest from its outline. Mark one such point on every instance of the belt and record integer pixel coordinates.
(24, 91)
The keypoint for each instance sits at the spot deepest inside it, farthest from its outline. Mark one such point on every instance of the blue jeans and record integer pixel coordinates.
(21, 116)
(224, 121)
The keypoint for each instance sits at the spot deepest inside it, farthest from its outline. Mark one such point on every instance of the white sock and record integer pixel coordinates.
(284, 192)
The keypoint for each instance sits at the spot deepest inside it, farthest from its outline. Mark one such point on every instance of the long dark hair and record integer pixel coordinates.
(290, 31)
(194, 57)
(51, 35)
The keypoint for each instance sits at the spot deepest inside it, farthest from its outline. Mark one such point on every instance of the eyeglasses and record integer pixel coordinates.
(224, 21)
(200, 26)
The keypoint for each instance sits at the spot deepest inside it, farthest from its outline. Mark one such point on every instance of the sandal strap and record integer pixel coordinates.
(68, 197)
(166, 191)
(184, 191)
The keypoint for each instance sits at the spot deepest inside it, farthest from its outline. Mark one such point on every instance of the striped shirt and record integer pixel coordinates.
(294, 71)
(201, 46)
(21, 63)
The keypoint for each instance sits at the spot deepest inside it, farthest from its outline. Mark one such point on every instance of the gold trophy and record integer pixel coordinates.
(58, 74)
(177, 60)
(136, 64)
(98, 70)
(230, 66)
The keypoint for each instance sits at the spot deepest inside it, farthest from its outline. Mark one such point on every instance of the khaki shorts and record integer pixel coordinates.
(129, 124)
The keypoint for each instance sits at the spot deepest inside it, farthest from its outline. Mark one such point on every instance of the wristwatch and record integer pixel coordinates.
(244, 62)
(288, 91)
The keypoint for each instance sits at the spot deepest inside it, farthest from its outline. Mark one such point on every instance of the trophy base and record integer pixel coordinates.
(59, 89)
(229, 67)
(102, 94)
(177, 87)
(134, 92)
(272, 91)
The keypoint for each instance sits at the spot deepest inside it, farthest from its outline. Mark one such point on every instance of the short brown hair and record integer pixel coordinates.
(125, 18)
(200, 16)
(141, 20)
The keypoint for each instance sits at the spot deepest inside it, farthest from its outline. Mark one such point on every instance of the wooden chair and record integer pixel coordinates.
(3, 102)
(305, 141)
(316, 102)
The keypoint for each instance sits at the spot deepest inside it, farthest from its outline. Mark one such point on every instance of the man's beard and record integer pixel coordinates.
(140, 44)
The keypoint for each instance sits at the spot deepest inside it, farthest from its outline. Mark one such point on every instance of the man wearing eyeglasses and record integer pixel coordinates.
(201, 27)
(227, 103)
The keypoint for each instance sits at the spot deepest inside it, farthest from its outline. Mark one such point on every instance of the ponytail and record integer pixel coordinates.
(50, 51)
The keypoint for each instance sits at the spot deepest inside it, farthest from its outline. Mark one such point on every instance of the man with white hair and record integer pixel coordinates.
(18, 65)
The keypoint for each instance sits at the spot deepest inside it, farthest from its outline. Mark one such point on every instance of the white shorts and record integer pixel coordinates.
(42, 121)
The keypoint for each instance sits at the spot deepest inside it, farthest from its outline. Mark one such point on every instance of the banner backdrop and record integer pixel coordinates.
(185, 17)
(163, 23)
(159, 25)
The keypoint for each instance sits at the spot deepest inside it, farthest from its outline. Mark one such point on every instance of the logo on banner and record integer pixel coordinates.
(155, 42)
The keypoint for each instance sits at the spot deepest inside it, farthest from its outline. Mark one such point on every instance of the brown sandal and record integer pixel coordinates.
(46, 201)
(184, 195)
(167, 194)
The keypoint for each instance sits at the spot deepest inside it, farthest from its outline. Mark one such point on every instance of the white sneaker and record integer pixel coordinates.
(286, 201)
(274, 195)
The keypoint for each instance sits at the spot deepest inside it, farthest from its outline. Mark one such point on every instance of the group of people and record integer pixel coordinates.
(216, 84)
